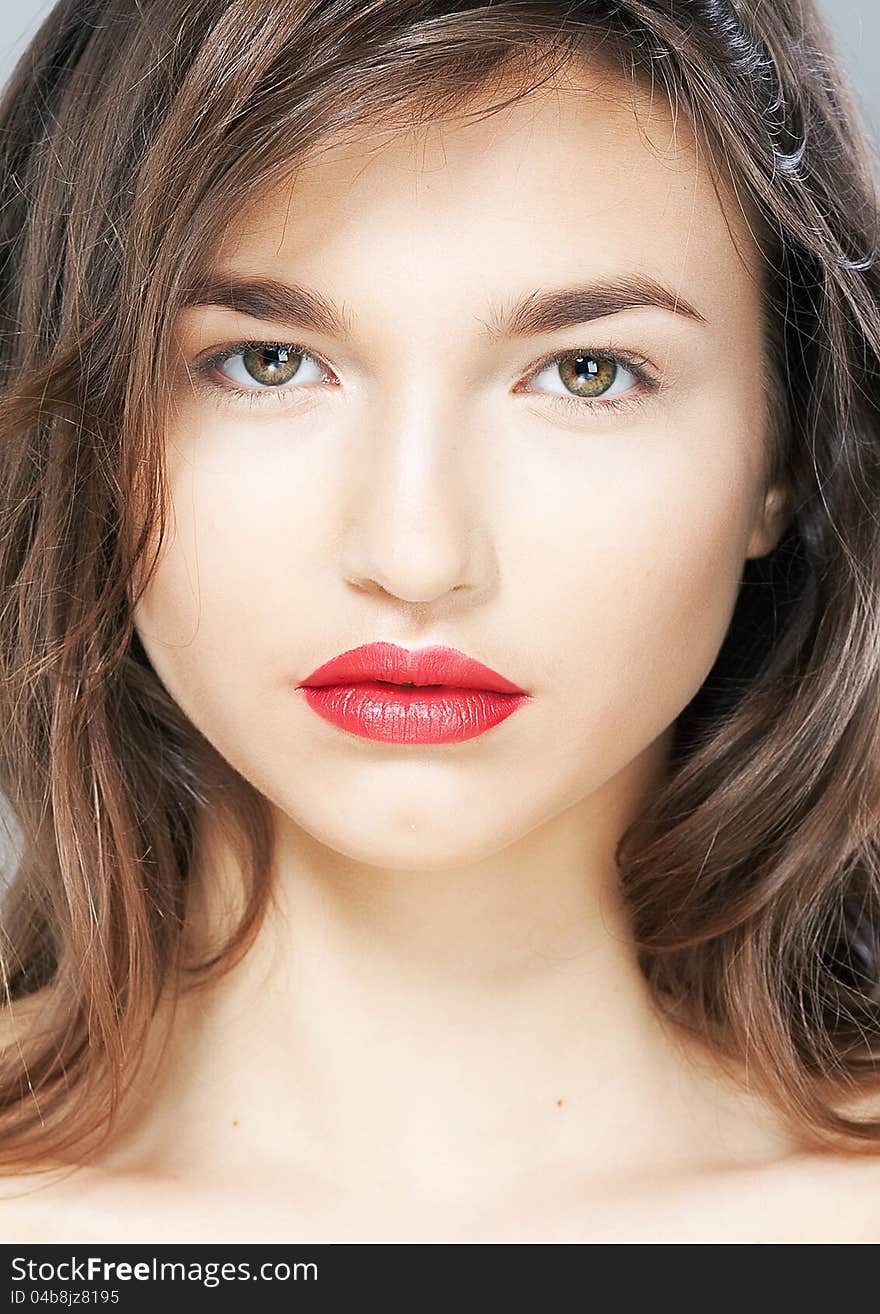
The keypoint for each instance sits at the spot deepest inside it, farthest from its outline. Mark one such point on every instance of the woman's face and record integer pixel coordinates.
(421, 472)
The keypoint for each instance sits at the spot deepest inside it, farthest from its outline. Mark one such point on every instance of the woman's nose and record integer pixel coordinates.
(418, 512)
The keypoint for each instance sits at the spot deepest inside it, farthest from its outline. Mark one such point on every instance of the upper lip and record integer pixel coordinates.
(420, 666)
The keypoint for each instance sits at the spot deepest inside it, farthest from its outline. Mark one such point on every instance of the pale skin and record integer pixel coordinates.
(442, 1033)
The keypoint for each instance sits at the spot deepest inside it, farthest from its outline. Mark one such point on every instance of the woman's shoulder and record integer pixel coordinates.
(799, 1193)
(70, 1203)
(819, 1198)
(31, 1208)
(840, 1189)
(815, 1201)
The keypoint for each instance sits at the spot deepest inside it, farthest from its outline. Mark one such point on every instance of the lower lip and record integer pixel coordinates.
(392, 714)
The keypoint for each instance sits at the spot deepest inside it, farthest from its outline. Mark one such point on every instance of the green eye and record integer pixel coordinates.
(268, 363)
(588, 376)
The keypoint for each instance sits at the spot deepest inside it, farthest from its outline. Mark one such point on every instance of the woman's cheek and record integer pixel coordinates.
(680, 602)
(647, 571)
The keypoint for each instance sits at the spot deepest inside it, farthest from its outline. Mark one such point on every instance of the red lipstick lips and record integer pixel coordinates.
(410, 696)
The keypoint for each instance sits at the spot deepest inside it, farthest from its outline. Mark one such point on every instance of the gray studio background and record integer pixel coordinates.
(855, 24)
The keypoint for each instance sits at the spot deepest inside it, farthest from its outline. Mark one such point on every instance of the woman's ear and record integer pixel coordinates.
(773, 519)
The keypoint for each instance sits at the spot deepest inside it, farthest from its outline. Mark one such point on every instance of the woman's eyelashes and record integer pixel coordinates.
(594, 379)
(280, 373)
(273, 364)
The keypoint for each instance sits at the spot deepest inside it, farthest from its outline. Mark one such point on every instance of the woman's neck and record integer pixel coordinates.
(482, 1024)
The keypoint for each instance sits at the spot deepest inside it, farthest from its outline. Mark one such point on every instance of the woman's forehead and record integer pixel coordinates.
(599, 172)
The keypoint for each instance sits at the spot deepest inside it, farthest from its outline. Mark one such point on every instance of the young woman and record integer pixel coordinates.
(440, 625)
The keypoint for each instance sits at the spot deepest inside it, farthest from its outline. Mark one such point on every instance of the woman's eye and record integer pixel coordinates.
(256, 374)
(260, 365)
(587, 376)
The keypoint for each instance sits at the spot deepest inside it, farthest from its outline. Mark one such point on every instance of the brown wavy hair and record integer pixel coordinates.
(130, 135)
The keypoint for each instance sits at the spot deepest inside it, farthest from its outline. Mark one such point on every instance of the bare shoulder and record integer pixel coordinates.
(822, 1196)
(73, 1203)
(808, 1200)
(845, 1199)
(817, 1199)
(844, 1188)
(31, 1205)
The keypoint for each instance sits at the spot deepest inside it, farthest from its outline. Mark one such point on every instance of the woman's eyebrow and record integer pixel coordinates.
(547, 311)
(541, 311)
(269, 299)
